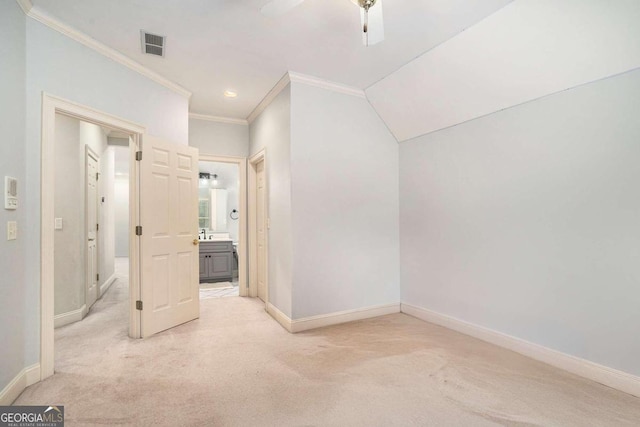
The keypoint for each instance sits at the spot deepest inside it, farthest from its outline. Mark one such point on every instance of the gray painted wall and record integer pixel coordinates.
(271, 130)
(65, 68)
(526, 222)
(344, 192)
(221, 139)
(12, 163)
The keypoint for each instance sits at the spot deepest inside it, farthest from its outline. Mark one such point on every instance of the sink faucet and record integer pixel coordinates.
(204, 233)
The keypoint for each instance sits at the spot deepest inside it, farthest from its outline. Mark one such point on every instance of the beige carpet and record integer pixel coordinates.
(236, 366)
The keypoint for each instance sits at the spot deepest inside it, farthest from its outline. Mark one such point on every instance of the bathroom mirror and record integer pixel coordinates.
(212, 209)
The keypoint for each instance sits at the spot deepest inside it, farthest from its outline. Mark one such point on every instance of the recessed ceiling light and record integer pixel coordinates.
(230, 93)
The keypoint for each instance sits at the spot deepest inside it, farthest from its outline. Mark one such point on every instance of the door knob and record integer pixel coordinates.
(195, 242)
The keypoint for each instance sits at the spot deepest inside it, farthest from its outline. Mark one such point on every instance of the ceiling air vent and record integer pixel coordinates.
(152, 44)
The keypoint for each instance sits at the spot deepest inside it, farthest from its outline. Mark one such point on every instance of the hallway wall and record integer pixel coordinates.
(70, 264)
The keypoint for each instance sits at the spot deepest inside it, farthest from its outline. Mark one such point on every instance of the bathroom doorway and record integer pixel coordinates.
(222, 225)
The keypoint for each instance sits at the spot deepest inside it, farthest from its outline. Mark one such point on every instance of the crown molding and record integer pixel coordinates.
(324, 84)
(25, 5)
(54, 24)
(218, 119)
(307, 80)
(282, 83)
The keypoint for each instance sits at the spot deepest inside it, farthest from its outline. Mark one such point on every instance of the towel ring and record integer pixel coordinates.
(234, 212)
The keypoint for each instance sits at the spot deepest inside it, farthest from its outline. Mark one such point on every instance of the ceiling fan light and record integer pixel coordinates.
(365, 4)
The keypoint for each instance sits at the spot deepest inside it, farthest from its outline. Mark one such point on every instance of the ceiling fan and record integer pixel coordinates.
(370, 14)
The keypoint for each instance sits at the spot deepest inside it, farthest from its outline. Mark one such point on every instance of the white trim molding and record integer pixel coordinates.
(25, 5)
(336, 318)
(107, 284)
(218, 119)
(322, 320)
(613, 378)
(268, 99)
(280, 317)
(69, 317)
(28, 376)
(39, 15)
(289, 77)
(325, 84)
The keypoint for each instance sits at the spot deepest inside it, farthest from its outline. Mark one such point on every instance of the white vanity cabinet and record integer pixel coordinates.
(216, 261)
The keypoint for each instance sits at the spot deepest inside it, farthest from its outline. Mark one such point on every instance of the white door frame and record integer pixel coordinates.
(253, 233)
(89, 152)
(242, 229)
(50, 106)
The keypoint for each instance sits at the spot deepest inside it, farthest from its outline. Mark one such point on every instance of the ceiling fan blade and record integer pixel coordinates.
(278, 7)
(375, 24)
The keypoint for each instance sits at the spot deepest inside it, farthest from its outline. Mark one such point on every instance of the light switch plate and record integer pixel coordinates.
(58, 224)
(10, 193)
(12, 230)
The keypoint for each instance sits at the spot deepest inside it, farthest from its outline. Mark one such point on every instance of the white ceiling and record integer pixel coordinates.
(214, 45)
(524, 51)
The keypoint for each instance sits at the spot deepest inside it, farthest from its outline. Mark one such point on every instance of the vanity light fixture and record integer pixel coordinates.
(215, 179)
(230, 94)
(204, 177)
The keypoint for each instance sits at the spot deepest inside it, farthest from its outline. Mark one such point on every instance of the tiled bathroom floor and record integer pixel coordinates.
(227, 291)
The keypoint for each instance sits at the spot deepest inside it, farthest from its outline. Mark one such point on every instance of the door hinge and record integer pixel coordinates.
(98, 277)
(97, 176)
(138, 305)
(138, 155)
(97, 227)
(138, 230)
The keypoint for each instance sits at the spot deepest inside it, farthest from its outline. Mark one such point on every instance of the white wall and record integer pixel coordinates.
(271, 130)
(526, 222)
(69, 265)
(65, 68)
(344, 181)
(121, 200)
(106, 234)
(72, 135)
(13, 260)
(220, 139)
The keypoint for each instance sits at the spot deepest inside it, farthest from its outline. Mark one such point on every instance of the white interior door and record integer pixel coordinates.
(92, 169)
(169, 264)
(261, 222)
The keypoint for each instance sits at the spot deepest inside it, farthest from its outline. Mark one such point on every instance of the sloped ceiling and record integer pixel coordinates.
(214, 45)
(526, 50)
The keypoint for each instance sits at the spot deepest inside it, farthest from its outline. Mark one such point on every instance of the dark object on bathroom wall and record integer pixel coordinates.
(234, 212)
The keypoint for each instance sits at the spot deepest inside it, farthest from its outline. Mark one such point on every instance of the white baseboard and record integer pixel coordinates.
(105, 286)
(63, 319)
(282, 318)
(28, 376)
(613, 378)
(313, 322)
